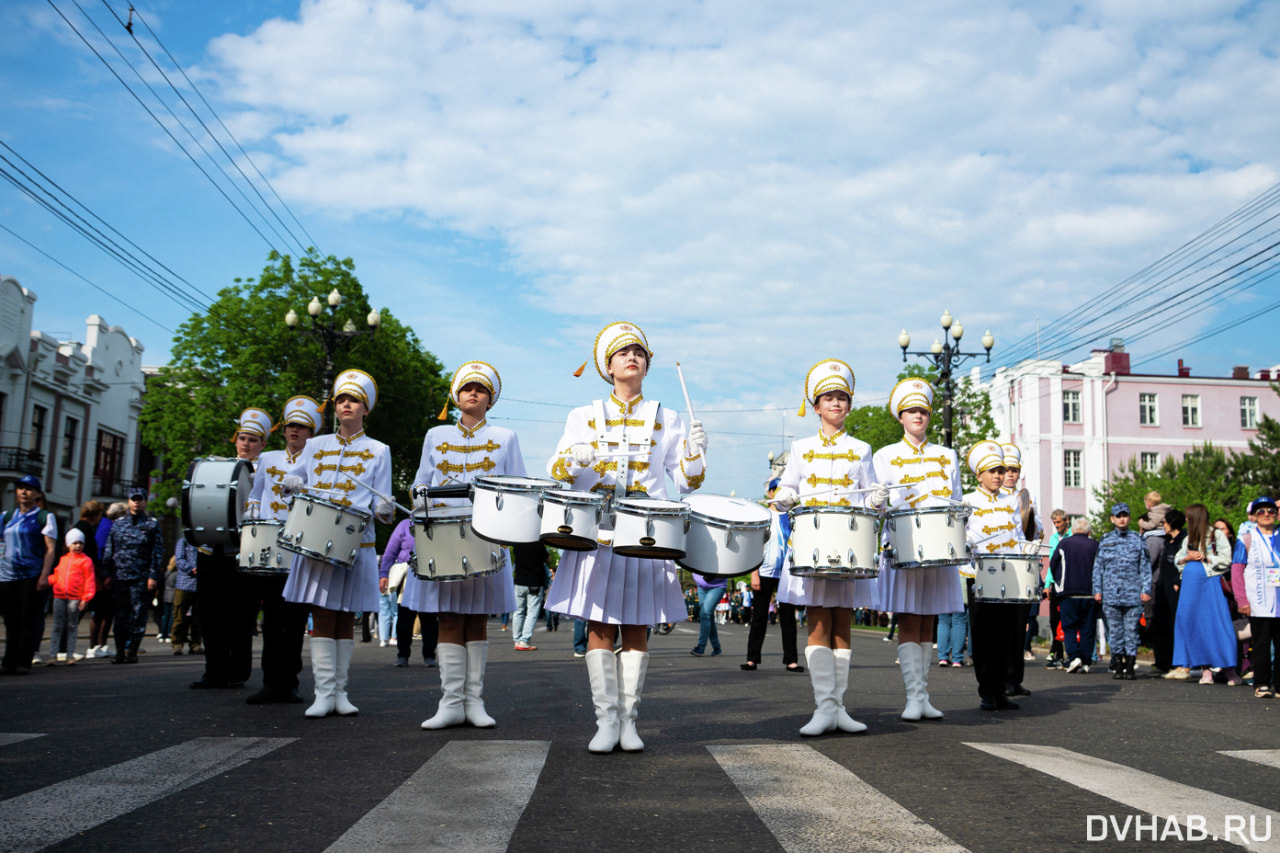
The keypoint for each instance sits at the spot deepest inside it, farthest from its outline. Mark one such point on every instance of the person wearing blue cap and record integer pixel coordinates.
(1255, 579)
(1122, 584)
(26, 558)
(764, 583)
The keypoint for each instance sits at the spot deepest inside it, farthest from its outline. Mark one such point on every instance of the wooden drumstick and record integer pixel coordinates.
(376, 493)
(688, 405)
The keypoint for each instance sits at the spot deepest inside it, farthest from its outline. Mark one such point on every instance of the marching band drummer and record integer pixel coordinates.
(283, 623)
(599, 586)
(335, 593)
(457, 454)
(992, 529)
(831, 468)
(1027, 518)
(917, 595)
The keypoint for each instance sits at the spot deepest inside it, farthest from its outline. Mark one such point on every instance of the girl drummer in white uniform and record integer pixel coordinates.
(325, 468)
(831, 468)
(916, 596)
(455, 454)
(605, 589)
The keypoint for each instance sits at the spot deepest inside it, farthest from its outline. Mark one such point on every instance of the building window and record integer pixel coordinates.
(70, 427)
(1072, 475)
(1150, 462)
(39, 417)
(108, 461)
(1191, 410)
(1147, 410)
(1071, 407)
(1248, 413)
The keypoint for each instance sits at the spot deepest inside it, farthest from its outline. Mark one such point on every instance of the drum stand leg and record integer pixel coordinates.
(341, 703)
(822, 675)
(632, 666)
(844, 722)
(324, 661)
(602, 669)
(477, 657)
(451, 658)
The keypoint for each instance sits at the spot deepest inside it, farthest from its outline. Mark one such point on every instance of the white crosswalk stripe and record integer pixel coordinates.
(432, 810)
(812, 804)
(45, 817)
(7, 738)
(1224, 818)
(1269, 757)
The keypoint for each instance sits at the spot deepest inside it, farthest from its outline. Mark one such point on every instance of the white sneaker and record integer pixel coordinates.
(77, 656)
(35, 659)
(384, 644)
(1028, 656)
(1075, 664)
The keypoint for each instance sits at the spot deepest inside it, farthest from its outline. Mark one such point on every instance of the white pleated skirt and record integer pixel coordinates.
(353, 590)
(601, 586)
(825, 592)
(490, 594)
(926, 591)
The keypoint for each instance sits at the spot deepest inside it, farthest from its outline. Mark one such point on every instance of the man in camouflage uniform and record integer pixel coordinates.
(134, 561)
(1122, 582)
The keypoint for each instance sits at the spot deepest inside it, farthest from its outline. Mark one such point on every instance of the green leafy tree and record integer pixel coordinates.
(241, 354)
(1259, 467)
(1200, 476)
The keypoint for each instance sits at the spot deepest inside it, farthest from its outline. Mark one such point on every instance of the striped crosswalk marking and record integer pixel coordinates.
(469, 796)
(7, 738)
(812, 804)
(1269, 757)
(45, 817)
(1143, 792)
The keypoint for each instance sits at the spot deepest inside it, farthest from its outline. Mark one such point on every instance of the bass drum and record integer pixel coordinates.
(213, 498)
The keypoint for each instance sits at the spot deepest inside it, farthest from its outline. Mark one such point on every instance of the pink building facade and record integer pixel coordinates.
(1077, 424)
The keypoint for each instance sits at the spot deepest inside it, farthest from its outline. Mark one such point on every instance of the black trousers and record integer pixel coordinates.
(1263, 629)
(996, 631)
(284, 624)
(227, 614)
(18, 600)
(1164, 610)
(760, 623)
(1019, 641)
(404, 632)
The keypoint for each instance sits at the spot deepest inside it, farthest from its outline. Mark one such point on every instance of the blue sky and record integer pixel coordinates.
(758, 185)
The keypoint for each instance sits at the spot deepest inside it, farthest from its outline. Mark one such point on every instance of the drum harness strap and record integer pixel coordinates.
(619, 443)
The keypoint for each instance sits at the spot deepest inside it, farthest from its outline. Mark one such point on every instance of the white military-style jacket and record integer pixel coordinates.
(826, 471)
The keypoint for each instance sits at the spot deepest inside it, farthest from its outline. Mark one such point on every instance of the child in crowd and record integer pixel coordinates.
(73, 585)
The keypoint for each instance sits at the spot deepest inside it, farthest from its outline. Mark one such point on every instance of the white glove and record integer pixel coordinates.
(251, 512)
(291, 485)
(785, 498)
(385, 510)
(879, 495)
(584, 454)
(696, 444)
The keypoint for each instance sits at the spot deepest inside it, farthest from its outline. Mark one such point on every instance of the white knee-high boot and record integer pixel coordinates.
(922, 683)
(631, 670)
(473, 703)
(844, 722)
(602, 669)
(341, 703)
(324, 662)
(451, 659)
(822, 674)
(909, 661)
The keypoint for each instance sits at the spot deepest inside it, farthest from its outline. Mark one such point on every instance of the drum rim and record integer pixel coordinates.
(419, 518)
(566, 497)
(840, 510)
(978, 558)
(682, 564)
(678, 509)
(502, 482)
(954, 509)
(711, 521)
(327, 502)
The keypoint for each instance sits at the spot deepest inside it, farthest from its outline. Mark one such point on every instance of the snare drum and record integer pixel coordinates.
(1008, 578)
(834, 542)
(324, 530)
(649, 527)
(505, 508)
(258, 552)
(213, 499)
(447, 549)
(726, 536)
(571, 520)
(929, 536)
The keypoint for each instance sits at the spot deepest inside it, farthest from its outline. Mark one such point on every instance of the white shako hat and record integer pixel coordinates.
(303, 411)
(476, 371)
(358, 384)
(830, 375)
(910, 393)
(254, 422)
(614, 337)
(984, 456)
(1012, 455)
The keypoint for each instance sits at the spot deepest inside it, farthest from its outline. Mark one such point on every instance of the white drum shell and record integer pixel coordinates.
(324, 530)
(929, 536)
(571, 520)
(259, 554)
(727, 536)
(1007, 578)
(446, 548)
(649, 527)
(834, 542)
(213, 499)
(505, 508)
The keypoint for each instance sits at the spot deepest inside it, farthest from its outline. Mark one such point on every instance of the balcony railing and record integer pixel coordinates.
(117, 489)
(21, 460)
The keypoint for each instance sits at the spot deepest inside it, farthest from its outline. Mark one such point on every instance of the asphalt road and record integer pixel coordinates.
(127, 758)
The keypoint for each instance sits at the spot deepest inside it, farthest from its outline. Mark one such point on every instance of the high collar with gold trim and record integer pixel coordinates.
(919, 450)
(833, 440)
(293, 457)
(470, 433)
(345, 441)
(627, 408)
(992, 497)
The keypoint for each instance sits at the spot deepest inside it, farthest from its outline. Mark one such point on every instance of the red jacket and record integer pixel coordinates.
(73, 577)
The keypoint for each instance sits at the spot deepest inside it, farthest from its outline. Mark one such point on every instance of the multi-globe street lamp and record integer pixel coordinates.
(945, 355)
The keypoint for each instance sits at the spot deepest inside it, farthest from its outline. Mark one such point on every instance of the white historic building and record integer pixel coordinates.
(68, 409)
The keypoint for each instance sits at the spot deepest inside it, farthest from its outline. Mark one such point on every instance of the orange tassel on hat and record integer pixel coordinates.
(444, 412)
(578, 372)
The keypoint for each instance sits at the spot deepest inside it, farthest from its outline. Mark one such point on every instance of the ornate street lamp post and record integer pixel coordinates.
(325, 327)
(945, 355)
